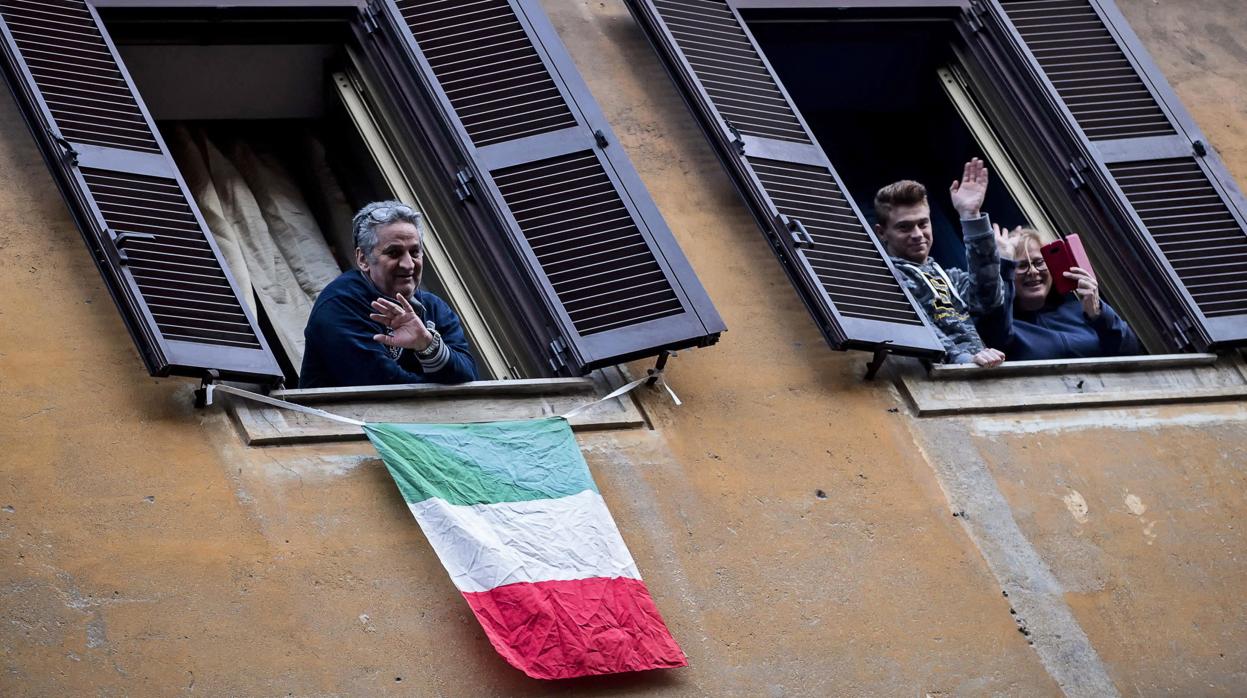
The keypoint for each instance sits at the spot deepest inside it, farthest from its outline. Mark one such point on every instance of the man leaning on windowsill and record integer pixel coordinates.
(953, 298)
(374, 325)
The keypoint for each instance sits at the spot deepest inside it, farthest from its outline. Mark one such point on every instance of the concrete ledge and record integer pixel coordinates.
(531, 386)
(1064, 366)
(1033, 385)
(480, 401)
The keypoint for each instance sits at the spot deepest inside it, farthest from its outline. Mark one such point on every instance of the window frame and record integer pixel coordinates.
(481, 321)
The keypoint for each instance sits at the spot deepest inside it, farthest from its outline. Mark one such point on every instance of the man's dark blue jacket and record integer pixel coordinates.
(1059, 330)
(341, 351)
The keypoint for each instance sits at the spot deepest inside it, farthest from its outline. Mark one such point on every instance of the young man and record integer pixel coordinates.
(950, 298)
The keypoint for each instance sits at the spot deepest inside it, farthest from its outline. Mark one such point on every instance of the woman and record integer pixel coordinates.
(1039, 323)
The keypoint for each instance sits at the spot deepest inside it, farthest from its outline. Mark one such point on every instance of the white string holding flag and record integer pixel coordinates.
(655, 375)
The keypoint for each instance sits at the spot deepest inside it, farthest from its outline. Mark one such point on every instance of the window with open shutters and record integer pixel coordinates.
(1175, 222)
(1079, 101)
(560, 222)
(836, 263)
(159, 261)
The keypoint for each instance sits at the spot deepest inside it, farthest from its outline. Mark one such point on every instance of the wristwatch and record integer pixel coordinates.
(434, 346)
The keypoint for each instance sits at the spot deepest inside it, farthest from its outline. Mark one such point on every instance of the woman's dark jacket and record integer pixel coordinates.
(1059, 330)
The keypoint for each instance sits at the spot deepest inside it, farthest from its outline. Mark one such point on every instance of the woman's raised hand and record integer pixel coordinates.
(1006, 241)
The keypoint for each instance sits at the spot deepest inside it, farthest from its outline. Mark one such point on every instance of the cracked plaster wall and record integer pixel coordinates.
(148, 553)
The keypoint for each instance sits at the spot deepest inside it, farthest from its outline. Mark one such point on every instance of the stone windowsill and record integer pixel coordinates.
(947, 390)
(479, 401)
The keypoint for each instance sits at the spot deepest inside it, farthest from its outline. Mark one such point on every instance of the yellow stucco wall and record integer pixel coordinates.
(148, 552)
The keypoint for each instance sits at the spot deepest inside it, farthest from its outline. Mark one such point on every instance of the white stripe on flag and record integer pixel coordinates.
(484, 546)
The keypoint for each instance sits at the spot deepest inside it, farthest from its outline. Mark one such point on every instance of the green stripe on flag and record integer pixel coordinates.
(468, 464)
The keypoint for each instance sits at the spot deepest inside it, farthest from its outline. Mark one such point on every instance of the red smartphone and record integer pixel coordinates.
(1060, 256)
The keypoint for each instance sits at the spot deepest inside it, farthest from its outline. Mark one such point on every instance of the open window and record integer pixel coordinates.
(220, 199)
(1159, 209)
(269, 120)
(909, 115)
(1057, 95)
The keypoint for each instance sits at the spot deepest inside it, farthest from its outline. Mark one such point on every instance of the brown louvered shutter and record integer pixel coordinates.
(824, 243)
(157, 257)
(612, 279)
(1180, 213)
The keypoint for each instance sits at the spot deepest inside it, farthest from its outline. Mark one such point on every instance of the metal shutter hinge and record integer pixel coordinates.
(974, 16)
(600, 138)
(1077, 167)
(796, 229)
(115, 249)
(370, 14)
(1199, 149)
(738, 141)
(464, 177)
(1180, 328)
(557, 350)
(351, 80)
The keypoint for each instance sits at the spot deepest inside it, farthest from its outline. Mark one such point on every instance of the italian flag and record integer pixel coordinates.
(515, 517)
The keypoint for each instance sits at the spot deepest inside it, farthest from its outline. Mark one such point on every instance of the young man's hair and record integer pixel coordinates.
(906, 192)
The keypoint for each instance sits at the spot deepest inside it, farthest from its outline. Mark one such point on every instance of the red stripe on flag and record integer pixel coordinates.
(580, 627)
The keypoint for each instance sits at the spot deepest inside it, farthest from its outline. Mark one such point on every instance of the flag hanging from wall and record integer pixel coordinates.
(515, 517)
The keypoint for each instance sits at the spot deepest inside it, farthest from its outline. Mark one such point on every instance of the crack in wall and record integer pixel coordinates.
(1035, 595)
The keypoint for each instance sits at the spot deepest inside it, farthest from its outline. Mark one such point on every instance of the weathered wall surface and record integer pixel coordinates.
(147, 552)
(1202, 49)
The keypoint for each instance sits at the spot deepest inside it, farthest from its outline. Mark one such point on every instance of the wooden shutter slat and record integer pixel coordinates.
(151, 244)
(1183, 212)
(608, 273)
(840, 270)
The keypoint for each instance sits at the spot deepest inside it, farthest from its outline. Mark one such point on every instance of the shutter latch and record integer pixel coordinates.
(801, 238)
(738, 141)
(557, 349)
(1199, 149)
(464, 177)
(116, 250)
(67, 148)
(600, 139)
(210, 377)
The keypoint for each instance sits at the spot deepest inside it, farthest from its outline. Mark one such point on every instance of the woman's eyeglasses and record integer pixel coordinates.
(1025, 266)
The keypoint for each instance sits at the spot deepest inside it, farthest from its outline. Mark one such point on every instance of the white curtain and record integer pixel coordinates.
(263, 225)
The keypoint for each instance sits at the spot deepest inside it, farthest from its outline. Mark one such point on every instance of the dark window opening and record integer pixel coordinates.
(869, 88)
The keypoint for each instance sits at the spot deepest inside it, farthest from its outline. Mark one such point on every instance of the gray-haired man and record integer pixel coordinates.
(373, 325)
